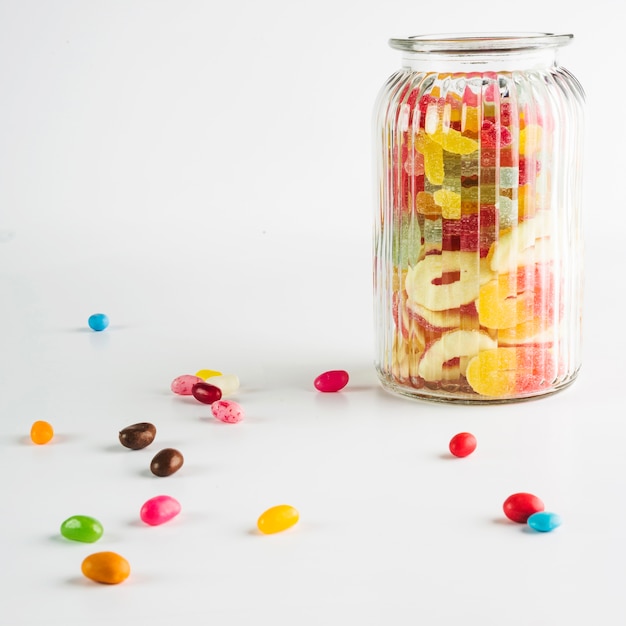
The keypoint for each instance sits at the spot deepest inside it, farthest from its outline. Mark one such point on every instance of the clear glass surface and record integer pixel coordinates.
(477, 237)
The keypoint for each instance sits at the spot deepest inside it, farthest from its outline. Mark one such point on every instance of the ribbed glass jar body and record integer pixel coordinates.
(477, 236)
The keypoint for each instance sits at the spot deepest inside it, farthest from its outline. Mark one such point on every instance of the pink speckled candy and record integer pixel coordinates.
(182, 384)
(159, 510)
(227, 411)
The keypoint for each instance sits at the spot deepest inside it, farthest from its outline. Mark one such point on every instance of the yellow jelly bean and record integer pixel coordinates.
(277, 519)
(207, 373)
(41, 432)
(450, 203)
(108, 568)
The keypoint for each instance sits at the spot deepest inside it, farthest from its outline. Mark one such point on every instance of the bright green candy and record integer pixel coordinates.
(82, 528)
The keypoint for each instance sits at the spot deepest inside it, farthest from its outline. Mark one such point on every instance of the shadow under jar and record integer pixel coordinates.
(477, 231)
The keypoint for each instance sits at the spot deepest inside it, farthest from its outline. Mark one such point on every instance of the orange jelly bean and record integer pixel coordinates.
(277, 519)
(108, 568)
(41, 432)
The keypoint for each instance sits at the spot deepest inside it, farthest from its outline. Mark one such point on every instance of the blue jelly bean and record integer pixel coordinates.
(544, 521)
(98, 321)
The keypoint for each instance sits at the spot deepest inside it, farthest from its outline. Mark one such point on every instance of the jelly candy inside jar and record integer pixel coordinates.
(476, 276)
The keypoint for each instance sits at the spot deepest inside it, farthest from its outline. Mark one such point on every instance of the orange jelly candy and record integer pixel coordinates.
(41, 432)
(502, 372)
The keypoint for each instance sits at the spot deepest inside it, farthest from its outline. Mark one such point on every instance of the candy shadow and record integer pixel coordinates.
(502, 521)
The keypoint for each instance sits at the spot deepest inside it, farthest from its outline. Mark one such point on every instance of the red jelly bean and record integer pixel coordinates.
(208, 394)
(333, 380)
(520, 506)
(462, 444)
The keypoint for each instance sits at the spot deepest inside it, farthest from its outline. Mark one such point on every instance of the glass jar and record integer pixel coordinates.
(477, 236)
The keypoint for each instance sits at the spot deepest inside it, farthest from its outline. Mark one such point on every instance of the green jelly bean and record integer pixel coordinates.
(82, 528)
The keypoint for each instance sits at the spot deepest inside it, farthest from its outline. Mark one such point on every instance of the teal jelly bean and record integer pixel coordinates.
(82, 528)
(544, 521)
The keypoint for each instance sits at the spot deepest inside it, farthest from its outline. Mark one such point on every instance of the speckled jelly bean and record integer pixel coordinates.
(137, 436)
(277, 518)
(228, 383)
(182, 385)
(41, 432)
(159, 510)
(166, 462)
(332, 380)
(544, 521)
(82, 528)
(227, 411)
(518, 507)
(462, 444)
(204, 374)
(108, 568)
(98, 321)
(206, 393)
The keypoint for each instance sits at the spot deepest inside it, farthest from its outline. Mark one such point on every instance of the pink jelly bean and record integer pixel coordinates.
(227, 411)
(330, 381)
(182, 385)
(159, 510)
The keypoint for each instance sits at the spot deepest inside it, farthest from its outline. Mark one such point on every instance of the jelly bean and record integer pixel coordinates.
(182, 385)
(520, 506)
(206, 393)
(544, 522)
(277, 518)
(82, 528)
(332, 380)
(462, 444)
(166, 462)
(228, 383)
(137, 436)
(41, 432)
(204, 374)
(227, 411)
(98, 321)
(108, 568)
(159, 510)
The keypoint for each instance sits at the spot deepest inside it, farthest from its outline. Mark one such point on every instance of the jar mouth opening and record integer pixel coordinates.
(482, 43)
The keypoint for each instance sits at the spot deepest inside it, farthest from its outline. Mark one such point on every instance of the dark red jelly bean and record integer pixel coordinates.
(520, 506)
(462, 444)
(333, 380)
(203, 392)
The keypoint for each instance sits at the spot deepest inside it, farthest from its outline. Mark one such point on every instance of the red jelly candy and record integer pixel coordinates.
(333, 380)
(462, 444)
(208, 394)
(520, 506)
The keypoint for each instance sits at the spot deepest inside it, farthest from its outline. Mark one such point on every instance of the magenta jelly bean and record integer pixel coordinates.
(159, 510)
(227, 411)
(330, 381)
(182, 385)
(206, 393)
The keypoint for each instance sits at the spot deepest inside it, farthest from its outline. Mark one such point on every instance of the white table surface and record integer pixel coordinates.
(203, 178)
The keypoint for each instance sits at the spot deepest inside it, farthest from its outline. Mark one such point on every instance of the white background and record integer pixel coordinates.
(201, 172)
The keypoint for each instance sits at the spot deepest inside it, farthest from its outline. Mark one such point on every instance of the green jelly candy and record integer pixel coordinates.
(82, 528)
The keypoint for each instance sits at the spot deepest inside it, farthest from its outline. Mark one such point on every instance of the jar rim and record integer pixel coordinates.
(482, 43)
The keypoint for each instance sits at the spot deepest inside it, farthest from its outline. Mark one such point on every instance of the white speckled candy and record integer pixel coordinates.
(227, 383)
(227, 411)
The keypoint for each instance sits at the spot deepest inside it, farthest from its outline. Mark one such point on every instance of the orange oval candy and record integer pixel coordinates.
(108, 568)
(41, 432)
